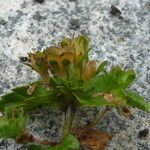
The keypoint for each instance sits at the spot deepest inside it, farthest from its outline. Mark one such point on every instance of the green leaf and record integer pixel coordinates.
(74, 73)
(119, 96)
(127, 78)
(19, 97)
(69, 142)
(66, 42)
(101, 67)
(124, 78)
(81, 44)
(12, 123)
(134, 100)
(101, 84)
(93, 102)
(114, 79)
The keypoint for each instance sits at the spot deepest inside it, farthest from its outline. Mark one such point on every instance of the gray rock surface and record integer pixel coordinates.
(27, 26)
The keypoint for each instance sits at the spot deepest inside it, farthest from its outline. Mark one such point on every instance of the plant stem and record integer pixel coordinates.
(70, 116)
(92, 124)
(99, 116)
(46, 142)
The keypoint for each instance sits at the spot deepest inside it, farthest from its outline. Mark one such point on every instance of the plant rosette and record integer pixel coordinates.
(69, 81)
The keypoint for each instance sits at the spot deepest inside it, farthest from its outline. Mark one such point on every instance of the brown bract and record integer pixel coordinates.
(89, 70)
(71, 55)
(59, 58)
(39, 64)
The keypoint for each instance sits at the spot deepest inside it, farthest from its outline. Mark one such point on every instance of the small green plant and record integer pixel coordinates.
(69, 81)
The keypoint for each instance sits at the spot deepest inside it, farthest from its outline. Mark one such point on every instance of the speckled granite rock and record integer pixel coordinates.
(26, 26)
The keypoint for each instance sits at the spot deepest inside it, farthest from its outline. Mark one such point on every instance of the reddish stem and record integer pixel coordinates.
(29, 138)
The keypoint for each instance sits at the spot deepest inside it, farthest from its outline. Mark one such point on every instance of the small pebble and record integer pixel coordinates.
(23, 5)
(2, 21)
(74, 24)
(40, 1)
(143, 133)
(23, 59)
(72, 0)
(116, 12)
(37, 16)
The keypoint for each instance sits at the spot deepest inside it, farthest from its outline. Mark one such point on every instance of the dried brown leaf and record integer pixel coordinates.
(93, 139)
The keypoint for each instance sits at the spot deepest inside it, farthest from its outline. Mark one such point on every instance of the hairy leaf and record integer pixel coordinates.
(81, 48)
(93, 102)
(12, 123)
(137, 101)
(124, 78)
(119, 97)
(69, 142)
(101, 67)
(19, 97)
(101, 84)
(66, 42)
